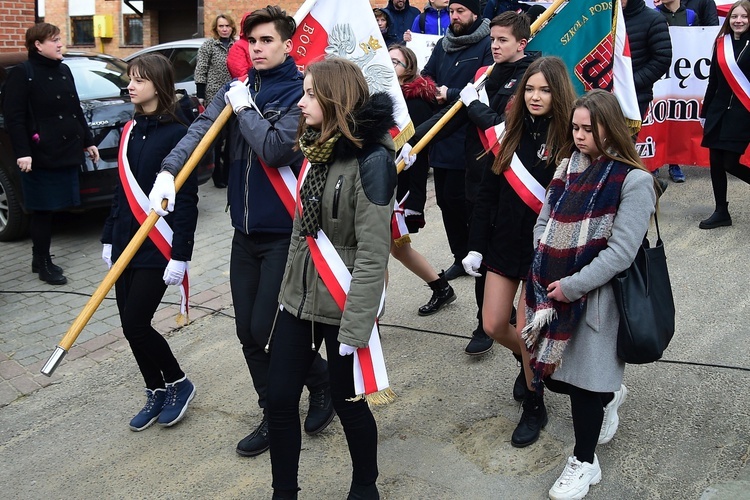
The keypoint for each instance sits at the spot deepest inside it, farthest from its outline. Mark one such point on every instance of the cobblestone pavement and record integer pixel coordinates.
(34, 316)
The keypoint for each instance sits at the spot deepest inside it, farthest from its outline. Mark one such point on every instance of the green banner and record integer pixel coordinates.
(581, 35)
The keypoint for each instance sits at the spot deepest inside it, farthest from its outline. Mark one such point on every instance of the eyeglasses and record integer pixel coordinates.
(396, 62)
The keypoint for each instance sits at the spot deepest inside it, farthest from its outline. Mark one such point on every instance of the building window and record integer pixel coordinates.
(132, 29)
(82, 30)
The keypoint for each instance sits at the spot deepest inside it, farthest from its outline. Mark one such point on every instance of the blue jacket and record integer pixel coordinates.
(254, 206)
(497, 7)
(151, 139)
(455, 70)
(401, 19)
(435, 23)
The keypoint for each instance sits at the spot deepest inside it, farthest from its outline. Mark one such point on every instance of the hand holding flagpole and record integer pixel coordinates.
(127, 255)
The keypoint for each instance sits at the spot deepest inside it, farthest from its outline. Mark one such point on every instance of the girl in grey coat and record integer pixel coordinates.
(596, 213)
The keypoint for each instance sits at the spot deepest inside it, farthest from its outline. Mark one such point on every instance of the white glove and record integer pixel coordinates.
(175, 272)
(238, 96)
(469, 94)
(107, 254)
(703, 122)
(346, 350)
(406, 156)
(163, 188)
(472, 262)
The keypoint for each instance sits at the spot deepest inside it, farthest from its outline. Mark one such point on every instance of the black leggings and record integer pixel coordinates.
(291, 357)
(587, 408)
(139, 292)
(721, 163)
(41, 232)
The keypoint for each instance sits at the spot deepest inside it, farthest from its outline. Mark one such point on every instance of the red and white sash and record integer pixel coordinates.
(399, 229)
(161, 234)
(731, 70)
(370, 376)
(523, 183)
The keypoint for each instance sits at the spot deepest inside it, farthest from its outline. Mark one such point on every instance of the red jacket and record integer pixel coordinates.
(238, 58)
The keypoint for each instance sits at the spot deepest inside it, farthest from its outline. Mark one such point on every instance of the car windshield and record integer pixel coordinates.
(97, 78)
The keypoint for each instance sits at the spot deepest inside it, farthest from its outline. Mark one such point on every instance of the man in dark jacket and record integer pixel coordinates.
(264, 128)
(455, 60)
(402, 15)
(650, 48)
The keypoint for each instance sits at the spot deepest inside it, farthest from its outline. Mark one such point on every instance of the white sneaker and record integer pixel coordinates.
(575, 479)
(611, 420)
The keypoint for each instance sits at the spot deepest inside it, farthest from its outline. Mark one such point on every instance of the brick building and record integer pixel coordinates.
(15, 18)
(129, 25)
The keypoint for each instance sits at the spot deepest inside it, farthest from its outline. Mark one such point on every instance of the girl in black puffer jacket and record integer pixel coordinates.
(163, 259)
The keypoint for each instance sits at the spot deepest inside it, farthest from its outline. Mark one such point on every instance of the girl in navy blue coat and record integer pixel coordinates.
(163, 258)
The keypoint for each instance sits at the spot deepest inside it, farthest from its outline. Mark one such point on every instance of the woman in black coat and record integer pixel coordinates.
(163, 258)
(726, 131)
(48, 133)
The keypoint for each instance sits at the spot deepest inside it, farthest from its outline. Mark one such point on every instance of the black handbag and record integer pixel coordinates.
(644, 297)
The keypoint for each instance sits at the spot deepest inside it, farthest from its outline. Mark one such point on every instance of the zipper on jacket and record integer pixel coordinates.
(467, 60)
(304, 285)
(336, 196)
(246, 213)
(731, 97)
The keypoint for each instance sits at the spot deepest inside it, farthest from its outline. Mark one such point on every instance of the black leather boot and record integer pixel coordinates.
(719, 218)
(37, 259)
(533, 420)
(320, 411)
(363, 492)
(519, 386)
(49, 272)
(442, 295)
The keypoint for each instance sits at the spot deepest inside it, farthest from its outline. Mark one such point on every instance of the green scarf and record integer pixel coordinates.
(311, 192)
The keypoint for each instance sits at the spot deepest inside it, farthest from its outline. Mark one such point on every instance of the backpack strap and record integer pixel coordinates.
(423, 21)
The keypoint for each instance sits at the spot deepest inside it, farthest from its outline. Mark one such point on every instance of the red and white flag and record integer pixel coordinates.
(623, 86)
(348, 29)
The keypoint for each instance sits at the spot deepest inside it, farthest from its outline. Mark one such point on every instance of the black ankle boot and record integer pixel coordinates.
(48, 273)
(442, 295)
(363, 492)
(719, 218)
(519, 386)
(533, 420)
(37, 259)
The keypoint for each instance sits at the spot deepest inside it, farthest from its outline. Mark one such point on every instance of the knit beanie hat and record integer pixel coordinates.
(472, 5)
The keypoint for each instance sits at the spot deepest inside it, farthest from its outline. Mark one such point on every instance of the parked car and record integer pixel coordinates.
(183, 55)
(101, 83)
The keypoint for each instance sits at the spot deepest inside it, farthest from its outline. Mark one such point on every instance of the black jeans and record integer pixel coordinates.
(255, 272)
(587, 408)
(138, 293)
(291, 357)
(450, 194)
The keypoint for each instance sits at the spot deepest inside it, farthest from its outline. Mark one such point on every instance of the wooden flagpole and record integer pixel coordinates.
(127, 255)
(419, 146)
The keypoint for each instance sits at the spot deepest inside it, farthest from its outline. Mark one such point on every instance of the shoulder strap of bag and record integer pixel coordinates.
(422, 21)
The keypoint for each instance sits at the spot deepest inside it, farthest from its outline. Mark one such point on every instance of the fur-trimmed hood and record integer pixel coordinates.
(373, 121)
(422, 88)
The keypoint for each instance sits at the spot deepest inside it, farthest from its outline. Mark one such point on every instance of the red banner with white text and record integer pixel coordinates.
(672, 132)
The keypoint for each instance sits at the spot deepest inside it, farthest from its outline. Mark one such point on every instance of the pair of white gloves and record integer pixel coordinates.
(468, 95)
(173, 274)
(238, 96)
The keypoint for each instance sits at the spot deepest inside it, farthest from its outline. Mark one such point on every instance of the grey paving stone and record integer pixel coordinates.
(25, 384)
(8, 394)
(10, 369)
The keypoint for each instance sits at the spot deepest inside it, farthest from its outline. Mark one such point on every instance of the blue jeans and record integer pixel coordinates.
(291, 357)
(255, 272)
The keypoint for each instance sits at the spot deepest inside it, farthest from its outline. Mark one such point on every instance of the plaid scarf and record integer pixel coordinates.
(583, 200)
(311, 192)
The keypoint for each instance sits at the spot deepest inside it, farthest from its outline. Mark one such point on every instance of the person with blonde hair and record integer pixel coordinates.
(211, 73)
